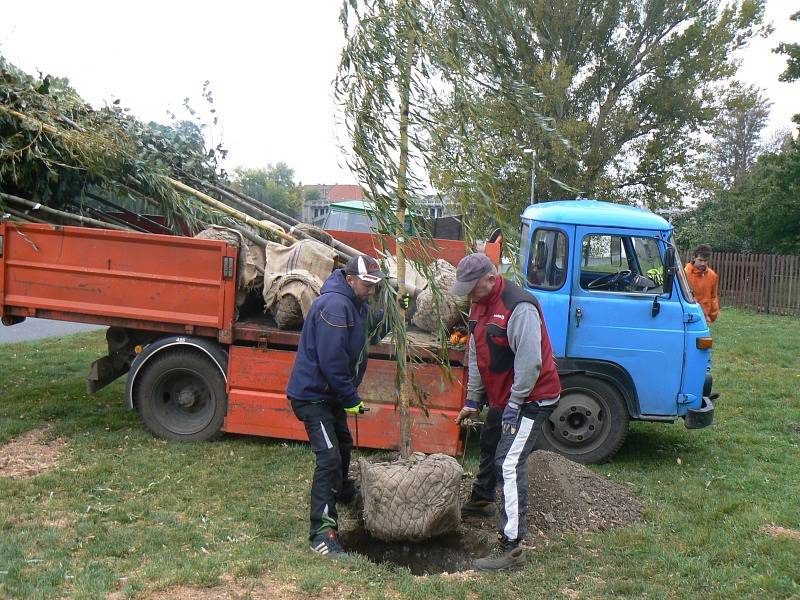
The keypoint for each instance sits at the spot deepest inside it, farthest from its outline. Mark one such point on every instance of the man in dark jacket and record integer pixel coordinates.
(511, 365)
(323, 387)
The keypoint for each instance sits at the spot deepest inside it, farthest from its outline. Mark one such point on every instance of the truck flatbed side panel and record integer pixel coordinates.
(257, 402)
(261, 329)
(132, 278)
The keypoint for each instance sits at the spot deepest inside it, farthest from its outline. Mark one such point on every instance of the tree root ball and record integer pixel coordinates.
(411, 499)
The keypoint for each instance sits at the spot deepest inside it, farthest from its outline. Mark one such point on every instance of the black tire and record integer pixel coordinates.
(590, 422)
(180, 396)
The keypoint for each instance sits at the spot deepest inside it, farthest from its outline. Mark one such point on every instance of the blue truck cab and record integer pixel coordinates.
(630, 340)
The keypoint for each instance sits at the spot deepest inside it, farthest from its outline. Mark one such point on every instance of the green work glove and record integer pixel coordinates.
(656, 275)
(358, 409)
(404, 301)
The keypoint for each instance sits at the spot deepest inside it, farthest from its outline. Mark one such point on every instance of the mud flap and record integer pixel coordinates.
(697, 418)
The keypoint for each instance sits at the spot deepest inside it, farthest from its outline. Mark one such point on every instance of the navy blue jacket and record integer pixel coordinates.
(329, 364)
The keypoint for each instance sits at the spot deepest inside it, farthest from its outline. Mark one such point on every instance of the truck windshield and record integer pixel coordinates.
(339, 220)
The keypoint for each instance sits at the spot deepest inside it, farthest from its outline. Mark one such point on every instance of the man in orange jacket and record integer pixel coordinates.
(703, 281)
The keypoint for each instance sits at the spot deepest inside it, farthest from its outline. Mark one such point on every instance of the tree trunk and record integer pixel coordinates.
(402, 354)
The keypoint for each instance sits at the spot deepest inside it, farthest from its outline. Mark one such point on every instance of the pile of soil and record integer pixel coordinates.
(566, 497)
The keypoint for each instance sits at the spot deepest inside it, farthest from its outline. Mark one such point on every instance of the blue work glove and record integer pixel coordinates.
(473, 405)
(471, 409)
(357, 409)
(511, 417)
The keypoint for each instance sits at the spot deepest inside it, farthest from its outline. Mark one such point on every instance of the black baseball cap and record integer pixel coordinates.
(365, 268)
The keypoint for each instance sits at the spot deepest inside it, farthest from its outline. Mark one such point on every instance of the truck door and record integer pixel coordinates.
(545, 257)
(612, 316)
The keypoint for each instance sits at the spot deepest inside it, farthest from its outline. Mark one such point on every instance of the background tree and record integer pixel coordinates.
(737, 133)
(792, 52)
(273, 186)
(627, 86)
(760, 213)
(312, 195)
(748, 205)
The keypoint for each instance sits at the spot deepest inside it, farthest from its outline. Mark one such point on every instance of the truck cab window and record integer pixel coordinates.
(548, 259)
(627, 264)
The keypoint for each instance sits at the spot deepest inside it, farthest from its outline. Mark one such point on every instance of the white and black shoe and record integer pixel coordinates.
(327, 543)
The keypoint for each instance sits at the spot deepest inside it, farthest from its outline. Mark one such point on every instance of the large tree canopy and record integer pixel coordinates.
(627, 85)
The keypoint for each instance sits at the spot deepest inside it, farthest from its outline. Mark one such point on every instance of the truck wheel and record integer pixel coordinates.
(180, 395)
(590, 422)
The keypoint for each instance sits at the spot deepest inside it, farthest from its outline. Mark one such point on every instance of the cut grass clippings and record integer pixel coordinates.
(123, 513)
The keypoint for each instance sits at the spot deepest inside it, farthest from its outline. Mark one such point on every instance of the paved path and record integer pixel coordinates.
(35, 329)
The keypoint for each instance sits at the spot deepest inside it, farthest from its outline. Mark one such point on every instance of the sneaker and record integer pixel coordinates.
(510, 556)
(478, 508)
(327, 544)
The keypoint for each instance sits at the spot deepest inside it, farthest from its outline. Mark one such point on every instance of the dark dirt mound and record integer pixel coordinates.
(566, 497)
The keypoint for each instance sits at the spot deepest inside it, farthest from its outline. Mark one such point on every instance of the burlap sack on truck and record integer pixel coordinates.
(293, 276)
(250, 261)
(314, 231)
(451, 307)
(412, 499)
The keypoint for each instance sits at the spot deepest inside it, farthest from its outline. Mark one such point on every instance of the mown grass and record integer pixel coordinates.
(124, 511)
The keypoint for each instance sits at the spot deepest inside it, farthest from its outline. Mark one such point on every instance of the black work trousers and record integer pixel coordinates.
(330, 439)
(485, 484)
(503, 459)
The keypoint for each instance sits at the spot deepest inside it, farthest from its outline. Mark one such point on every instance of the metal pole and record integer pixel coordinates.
(532, 152)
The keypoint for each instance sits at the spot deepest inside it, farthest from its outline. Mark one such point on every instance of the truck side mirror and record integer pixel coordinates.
(669, 270)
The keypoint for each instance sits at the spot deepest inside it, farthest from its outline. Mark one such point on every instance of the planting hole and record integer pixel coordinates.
(449, 553)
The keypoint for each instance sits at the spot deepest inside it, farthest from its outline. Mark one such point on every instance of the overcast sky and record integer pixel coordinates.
(270, 65)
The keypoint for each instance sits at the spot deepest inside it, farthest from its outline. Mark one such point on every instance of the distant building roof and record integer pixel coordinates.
(345, 192)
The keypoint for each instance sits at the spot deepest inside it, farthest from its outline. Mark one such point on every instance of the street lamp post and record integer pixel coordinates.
(532, 152)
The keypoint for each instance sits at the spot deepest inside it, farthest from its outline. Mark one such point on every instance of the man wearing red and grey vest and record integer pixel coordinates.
(511, 366)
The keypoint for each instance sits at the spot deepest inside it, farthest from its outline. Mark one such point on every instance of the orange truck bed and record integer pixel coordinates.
(134, 280)
(177, 286)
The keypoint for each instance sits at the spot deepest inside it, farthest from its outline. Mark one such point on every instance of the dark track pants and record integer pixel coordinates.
(332, 444)
(483, 488)
(503, 461)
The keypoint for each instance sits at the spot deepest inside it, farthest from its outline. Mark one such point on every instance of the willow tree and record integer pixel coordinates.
(403, 63)
(630, 83)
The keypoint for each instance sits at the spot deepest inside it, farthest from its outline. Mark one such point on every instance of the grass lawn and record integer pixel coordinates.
(124, 512)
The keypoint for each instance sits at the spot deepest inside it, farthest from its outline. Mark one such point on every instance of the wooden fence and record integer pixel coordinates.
(766, 283)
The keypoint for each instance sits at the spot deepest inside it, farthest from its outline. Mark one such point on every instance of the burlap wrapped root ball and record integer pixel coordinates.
(250, 259)
(293, 278)
(315, 232)
(411, 499)
(288, 313)
(426, 316)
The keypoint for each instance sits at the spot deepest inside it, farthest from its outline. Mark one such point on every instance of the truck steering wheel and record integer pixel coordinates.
(608, 280)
